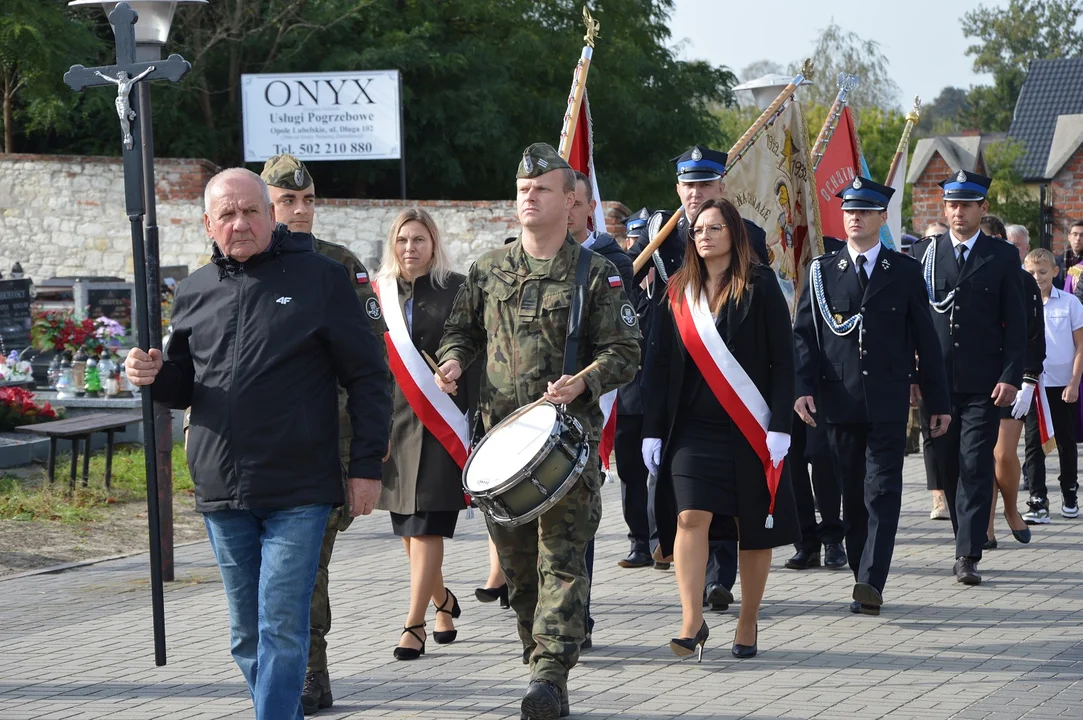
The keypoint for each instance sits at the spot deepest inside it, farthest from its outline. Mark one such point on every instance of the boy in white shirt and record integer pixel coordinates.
(1062, 369)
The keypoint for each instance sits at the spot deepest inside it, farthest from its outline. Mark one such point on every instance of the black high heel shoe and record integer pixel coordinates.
(407, 653)
(743, 652)
(488, 595)
(684, 647)
(443, 637)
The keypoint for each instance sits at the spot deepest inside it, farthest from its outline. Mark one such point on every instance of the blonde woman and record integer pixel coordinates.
(422, 479)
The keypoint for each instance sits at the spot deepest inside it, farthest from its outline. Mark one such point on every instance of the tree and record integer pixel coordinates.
(839, 51)
(1009, 198)
(759, 69)
(481, 81)
(1009, 39)
(941, 116)
(37, 39)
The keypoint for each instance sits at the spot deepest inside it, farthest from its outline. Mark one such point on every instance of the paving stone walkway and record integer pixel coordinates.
(77, 644)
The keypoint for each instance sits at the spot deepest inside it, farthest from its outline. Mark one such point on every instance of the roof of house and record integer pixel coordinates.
(960, 152)
(1053, 88)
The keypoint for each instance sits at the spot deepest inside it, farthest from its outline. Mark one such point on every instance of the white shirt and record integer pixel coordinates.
(969, 244)
(870, 258)
(590, 239)
(1063, 315)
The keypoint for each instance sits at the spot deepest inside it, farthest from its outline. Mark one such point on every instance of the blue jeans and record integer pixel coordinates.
(268, 561)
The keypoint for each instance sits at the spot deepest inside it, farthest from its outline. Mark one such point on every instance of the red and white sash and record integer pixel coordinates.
(608, 403)
(436, 410)
(729, 382)
(1045, 419)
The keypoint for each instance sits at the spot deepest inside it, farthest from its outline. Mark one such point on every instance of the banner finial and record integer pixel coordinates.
(593, 27)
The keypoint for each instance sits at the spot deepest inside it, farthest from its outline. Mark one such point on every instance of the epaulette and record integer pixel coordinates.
(829, 254)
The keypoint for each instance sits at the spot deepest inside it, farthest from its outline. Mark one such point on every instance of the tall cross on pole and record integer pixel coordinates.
(127, 76)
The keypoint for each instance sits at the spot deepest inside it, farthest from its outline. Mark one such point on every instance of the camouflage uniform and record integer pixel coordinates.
(514, 310)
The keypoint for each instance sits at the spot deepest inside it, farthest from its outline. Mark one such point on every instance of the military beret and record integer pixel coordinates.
(539, 159)
(287, 172)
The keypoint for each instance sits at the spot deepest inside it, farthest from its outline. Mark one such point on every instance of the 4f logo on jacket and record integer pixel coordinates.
(283, 300)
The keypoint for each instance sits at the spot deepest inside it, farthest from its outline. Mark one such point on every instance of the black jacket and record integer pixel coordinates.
(258, 351)
(983, 338)
(1034, 359)
(859, 379)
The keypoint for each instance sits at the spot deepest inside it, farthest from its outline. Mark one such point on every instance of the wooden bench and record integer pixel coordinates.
(81, 428)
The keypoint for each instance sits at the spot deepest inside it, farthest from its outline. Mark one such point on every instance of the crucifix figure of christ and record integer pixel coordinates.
(124, 85)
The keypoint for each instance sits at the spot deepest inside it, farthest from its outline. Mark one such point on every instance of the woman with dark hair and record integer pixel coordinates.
(726, 346)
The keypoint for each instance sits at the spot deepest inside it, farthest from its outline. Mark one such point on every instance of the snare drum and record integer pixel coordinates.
(526, 464)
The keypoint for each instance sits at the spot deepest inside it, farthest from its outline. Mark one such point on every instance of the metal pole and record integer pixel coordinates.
(402, 145)
(163, 419)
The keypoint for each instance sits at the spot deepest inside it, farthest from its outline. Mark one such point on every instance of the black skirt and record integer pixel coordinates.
(702, 468)
(432, 522)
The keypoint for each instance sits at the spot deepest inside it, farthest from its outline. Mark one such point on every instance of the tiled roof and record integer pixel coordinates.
(960, 152)
(1052, 88)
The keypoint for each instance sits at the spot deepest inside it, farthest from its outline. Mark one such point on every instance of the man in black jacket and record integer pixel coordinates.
(974, 288)
(262, 339)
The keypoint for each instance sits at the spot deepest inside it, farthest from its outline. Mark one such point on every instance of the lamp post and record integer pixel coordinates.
(138, 49)
(155, 17)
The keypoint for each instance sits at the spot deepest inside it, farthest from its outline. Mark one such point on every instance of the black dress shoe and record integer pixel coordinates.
(718, 597)
(743, 652)
(316, 695)
(488, 595)
(834, 556)
(587, 643)
(1022, 536)
(637, 558)
(861, 609)
(544, 701)
(966, 571)
(803, 560)
(869, 599)
(989, 544)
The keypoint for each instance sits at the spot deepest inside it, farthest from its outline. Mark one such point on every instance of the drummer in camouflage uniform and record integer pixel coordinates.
(514, 309)
(293, 195)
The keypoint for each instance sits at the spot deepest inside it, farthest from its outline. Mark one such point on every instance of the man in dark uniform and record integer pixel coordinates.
(861, 319)
(974, 288)
(699, 179)
(818, 490)
(293, 194)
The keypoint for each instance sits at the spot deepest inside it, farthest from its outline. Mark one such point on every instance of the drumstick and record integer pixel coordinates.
(578, 376)
(436, 368)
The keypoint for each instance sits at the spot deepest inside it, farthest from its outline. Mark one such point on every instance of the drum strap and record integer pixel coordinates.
(575, 315)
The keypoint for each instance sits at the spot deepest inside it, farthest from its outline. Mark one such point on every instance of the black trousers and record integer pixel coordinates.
(870, 461)
(635, 500)
(721, 561)
(822, 490)
(964, 462)
(932, 479)
(1063, 416)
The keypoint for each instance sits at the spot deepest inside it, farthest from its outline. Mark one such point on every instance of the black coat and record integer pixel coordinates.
(867, 379)
(258, 351)
(758, 334)
(983, 338)
(1034, 359)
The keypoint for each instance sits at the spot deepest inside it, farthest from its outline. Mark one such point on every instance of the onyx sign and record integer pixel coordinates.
(323, 116)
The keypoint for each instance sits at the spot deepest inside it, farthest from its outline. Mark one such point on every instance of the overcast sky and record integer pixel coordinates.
(921, 39)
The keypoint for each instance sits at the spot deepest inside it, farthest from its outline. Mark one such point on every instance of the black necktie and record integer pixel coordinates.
(962, 258)
(862, 276)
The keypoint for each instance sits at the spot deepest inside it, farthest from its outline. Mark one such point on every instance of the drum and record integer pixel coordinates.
(526, 464)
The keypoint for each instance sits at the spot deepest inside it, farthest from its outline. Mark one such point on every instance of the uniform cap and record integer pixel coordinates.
(700, 164)
(539, 159)
(286, 172)
(636, 222)
(864, 194)
(966, 186)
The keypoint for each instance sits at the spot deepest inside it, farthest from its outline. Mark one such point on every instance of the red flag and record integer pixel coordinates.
(581, 158)
(840, 164)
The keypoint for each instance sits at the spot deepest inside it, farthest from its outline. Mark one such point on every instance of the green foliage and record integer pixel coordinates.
(37, 500)
(1009, 198)
(941, 116)
(840, 51)
(481, 80)
(1008, 40)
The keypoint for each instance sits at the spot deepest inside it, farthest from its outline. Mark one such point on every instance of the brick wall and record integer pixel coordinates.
(927, 196)
(63, 215)
(1067, 189)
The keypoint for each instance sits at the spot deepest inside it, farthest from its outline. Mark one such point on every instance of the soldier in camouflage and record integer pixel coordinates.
(514, 310)
(293, 195)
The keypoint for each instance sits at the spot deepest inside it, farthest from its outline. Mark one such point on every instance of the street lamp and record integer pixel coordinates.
(765, 89)
(155, 18)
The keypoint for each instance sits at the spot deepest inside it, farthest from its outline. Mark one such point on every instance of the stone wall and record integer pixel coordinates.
(62, 215)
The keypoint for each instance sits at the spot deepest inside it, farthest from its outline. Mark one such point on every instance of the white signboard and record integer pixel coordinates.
(322, 116)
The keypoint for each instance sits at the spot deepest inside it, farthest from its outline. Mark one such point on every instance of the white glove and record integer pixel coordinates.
(1023, 399)
(778, 444)
(652, 454)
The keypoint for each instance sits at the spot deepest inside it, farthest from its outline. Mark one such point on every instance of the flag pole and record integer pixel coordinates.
(743, 144)
(579, 86)
(911, 119)
(846, 82)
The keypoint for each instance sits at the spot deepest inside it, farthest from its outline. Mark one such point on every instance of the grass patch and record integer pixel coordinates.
(34, 499)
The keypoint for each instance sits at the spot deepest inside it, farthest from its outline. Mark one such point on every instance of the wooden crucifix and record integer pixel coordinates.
(128, 76)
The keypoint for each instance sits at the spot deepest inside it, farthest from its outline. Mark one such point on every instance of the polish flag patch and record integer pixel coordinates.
(614, 281)
(362, 278)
